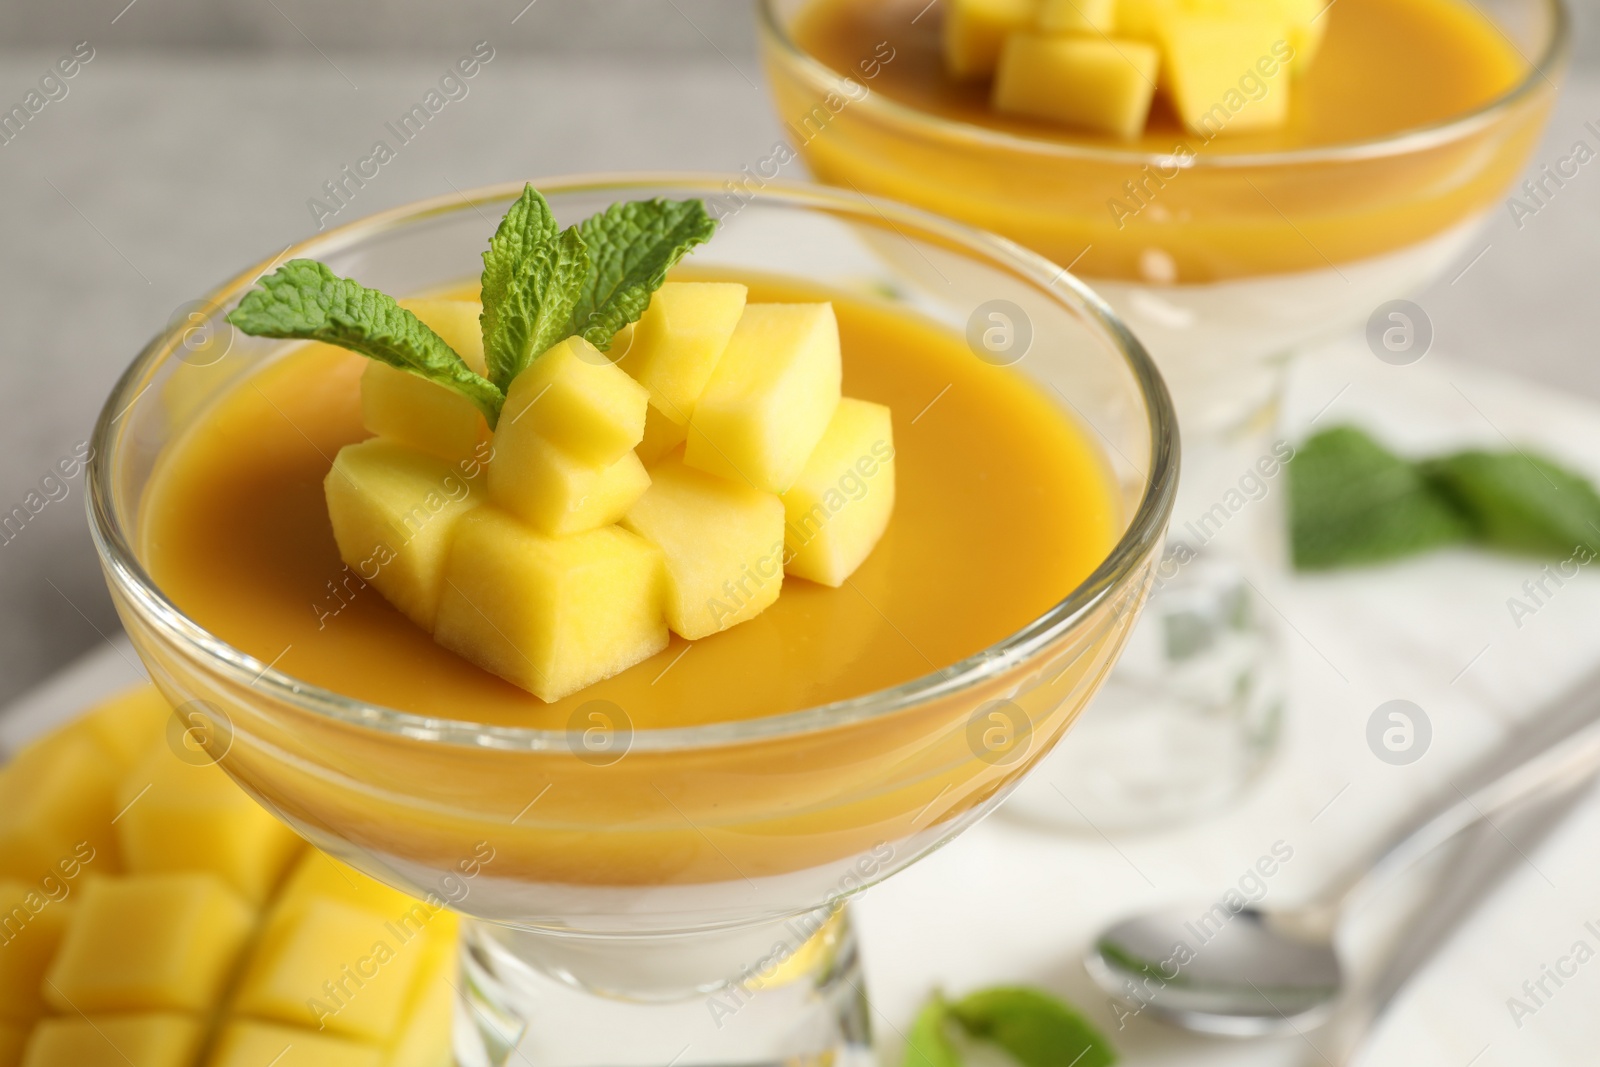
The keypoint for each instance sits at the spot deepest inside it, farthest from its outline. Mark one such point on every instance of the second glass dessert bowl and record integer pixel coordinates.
(653, 893)
(1224, 261)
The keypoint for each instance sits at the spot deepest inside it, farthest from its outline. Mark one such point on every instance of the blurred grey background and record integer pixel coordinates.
(188, 147)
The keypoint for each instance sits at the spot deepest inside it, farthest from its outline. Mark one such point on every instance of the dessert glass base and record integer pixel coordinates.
(617, 893)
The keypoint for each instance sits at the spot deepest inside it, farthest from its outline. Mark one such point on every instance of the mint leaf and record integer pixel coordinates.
(1353, 501)
(1037, 1029)
(632, 246)
(532, 276)
(927, 1042)
(303, 299)
(1520, 502)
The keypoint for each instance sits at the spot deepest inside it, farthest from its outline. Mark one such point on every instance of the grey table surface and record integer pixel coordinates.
(160, 172)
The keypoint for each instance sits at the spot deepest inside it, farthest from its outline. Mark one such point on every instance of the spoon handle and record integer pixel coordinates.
(1562, 765)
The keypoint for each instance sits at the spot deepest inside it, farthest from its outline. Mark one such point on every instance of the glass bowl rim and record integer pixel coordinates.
(1399, 142)
(1144, 533)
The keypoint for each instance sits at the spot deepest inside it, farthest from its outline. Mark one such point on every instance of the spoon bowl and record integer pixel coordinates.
(1213, 970)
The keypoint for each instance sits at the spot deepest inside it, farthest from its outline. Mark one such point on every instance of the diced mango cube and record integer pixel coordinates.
(394, 510)
(244, 1043)
(678, 341)
(836, 513)
(1307, 24)
(551, 615)
(1077, 16)
(58, 798)
(722, 542)
(770, 398)
(181, 817)
(661, 435)
(153, 942)
(425, 415)
(1092, 83)
(556, 494)
(334, 968)
(974, 31)
(321, 877)
(157, 1039)
(31, 925)
(1216, 65)
(579, 401)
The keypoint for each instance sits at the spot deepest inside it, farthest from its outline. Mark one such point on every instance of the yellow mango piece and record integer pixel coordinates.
(318, 876)
(770, 398)
(678, 341)
(424, 1038)
(974, 31)
(722, 542)
(1225, 70)
(1077, 16)
(57, 800)
(13, 1040)
(394, 510)
(181, 817)
(127, 724)
(244, 1043)
(550, 614)
(334, 968)
(838, 510)
(1307, 22)
(576, 399)
(661, 435)
(1091, 83)
(425, 415)
(158, 1039)
(558, 495)
(153, 942)
(31, 925)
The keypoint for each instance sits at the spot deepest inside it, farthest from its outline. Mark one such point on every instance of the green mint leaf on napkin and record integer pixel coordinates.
(305, 300)
(1353, 501)
(533, 274)
(632, 247)
(928, 1043)
(1037, 1029)
(1520, 502)
(1033, 1027)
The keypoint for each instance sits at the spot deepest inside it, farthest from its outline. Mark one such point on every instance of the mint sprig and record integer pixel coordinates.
(1352, 501)
(304, 300)
(541, 284)
(632, 246)
(532, 275)
(1033, 1027)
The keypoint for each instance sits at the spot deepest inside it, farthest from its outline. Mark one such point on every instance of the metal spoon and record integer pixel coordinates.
(1259, 971)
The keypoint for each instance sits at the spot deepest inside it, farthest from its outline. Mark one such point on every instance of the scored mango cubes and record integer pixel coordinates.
(770, 398)
(551, 615)
(1095, 83)
(180, 817)
(151, 942)
(101, 969)
(722, 545)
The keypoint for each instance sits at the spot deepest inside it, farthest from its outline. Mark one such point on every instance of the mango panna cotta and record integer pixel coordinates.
(667, 486)
(153, 914)
(1097, 65)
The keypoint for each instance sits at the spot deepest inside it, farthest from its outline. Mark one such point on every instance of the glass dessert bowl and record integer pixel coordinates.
(617, 864)
(1224, 254)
